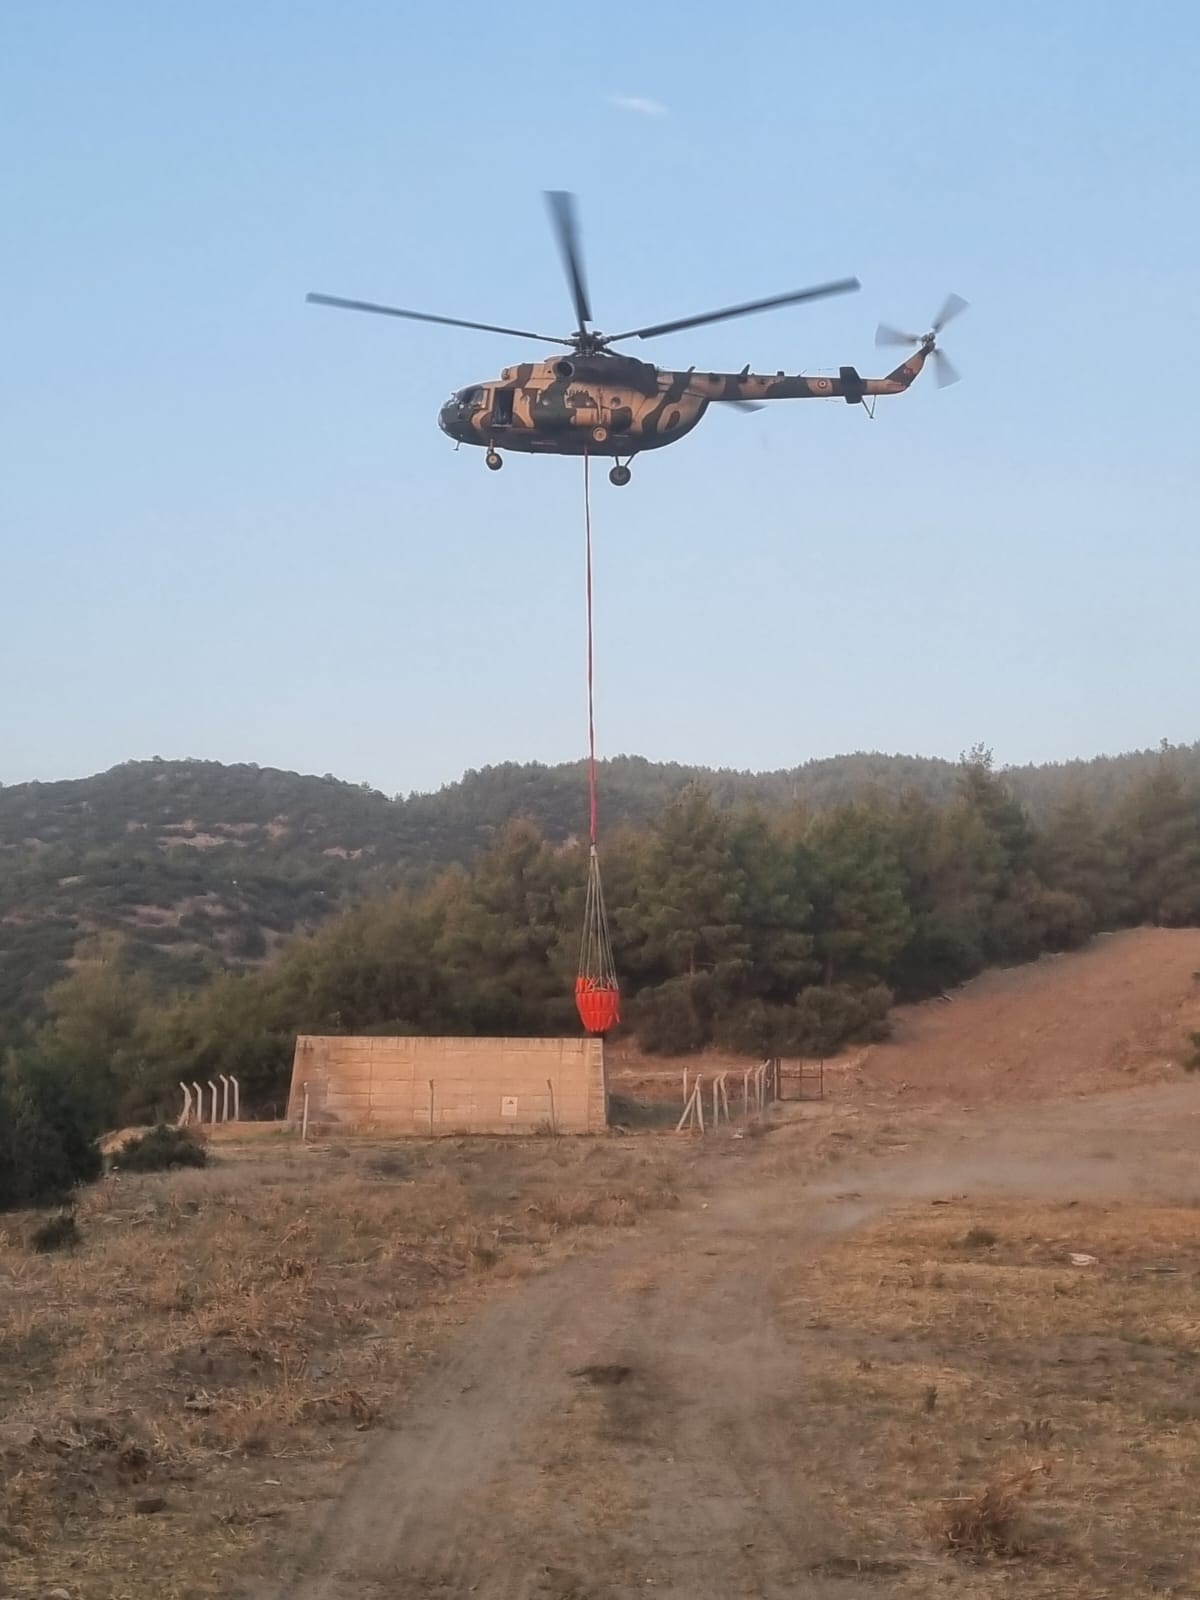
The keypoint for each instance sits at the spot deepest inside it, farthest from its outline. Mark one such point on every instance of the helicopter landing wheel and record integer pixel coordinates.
(620, 476)
(494, 460)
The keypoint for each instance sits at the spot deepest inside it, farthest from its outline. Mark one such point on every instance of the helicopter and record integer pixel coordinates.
(598, 401)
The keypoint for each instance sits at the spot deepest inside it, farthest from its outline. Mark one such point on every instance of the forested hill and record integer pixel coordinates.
(200, 865)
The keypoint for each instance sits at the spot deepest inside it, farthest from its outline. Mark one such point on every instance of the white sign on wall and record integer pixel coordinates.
(508, 1106)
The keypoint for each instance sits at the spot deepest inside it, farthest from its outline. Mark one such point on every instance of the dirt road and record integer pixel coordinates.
(617, 1427)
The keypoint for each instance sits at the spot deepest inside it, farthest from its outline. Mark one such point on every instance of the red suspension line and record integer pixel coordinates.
(587, 525)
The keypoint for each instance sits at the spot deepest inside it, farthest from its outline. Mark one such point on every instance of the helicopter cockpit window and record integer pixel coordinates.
(469, 397)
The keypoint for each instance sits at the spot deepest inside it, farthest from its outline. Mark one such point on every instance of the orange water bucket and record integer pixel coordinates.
(598, 1004)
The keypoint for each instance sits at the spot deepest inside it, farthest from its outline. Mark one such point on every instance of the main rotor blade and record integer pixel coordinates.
(744, 406)
(944, 369)
(424, 316)
(566, 230)
(954, 304)
(887, 335)
(841, 286)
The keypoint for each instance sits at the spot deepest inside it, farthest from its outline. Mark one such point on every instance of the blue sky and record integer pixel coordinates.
(229, 527)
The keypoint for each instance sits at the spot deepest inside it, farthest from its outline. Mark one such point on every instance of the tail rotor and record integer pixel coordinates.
(945, 372)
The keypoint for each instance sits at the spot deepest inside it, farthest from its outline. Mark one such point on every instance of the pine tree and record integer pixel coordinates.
(951, 867)
(692, 894)
(1077, 856)
(688, 941)
(94, 1016)
(983, 792)
(777, 911)
(861, 920)
(1159, 826)
(509, 935)
(1024, 917)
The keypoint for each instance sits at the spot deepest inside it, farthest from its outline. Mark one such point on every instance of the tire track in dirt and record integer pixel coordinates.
(509, 1476)
(401, 1513)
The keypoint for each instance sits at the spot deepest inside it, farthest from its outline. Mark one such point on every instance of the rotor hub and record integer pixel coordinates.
(589, 343)
(926, 344)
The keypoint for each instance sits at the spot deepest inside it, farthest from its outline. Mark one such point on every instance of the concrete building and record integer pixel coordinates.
(426, 1086)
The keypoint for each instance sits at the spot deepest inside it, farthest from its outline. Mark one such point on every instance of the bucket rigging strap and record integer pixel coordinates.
(596, 964)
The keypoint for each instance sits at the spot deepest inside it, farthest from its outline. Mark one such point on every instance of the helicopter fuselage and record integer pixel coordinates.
(604, 404)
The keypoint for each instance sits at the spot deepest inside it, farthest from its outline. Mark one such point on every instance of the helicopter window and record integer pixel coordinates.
(469, 397)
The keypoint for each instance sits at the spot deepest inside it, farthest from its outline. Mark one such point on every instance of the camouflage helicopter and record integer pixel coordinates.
(600, 402)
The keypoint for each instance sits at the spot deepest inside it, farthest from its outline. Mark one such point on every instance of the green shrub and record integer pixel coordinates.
(667, 1020)
(390, 1164)
(755, 1029)
(160, 1149)
(56, 1233)
(47, 1132)
(826, 1019)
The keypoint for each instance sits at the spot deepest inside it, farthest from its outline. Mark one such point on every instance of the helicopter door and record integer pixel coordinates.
(618, 414)
(502, 408)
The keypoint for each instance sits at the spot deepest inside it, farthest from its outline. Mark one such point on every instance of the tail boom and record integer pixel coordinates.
(847, 386)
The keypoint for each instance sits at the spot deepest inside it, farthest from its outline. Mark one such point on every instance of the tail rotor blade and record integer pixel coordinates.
(944, 369)
(885, 335)
(954, 304)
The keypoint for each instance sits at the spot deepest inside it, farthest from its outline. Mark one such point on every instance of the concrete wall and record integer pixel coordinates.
(442, 1086)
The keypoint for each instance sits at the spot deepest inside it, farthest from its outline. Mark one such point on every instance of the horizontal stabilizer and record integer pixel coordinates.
(853, 387)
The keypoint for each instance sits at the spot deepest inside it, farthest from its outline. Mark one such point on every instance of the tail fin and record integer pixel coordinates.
(897, 381)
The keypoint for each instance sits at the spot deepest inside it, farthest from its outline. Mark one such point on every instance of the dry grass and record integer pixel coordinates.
(210, 1351)
(990, 1521)
(1035, 1419)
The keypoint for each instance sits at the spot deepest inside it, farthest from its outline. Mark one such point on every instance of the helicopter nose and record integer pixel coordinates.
(450, 421)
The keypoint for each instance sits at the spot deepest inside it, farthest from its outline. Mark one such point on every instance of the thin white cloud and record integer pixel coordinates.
(641, 104)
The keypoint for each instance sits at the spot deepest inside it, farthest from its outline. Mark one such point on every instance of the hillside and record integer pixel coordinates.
(202, 866)
(1114, 1015)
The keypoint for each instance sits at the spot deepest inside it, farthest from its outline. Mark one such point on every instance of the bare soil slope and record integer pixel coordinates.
(1107, 1017)
(1112, 1016)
